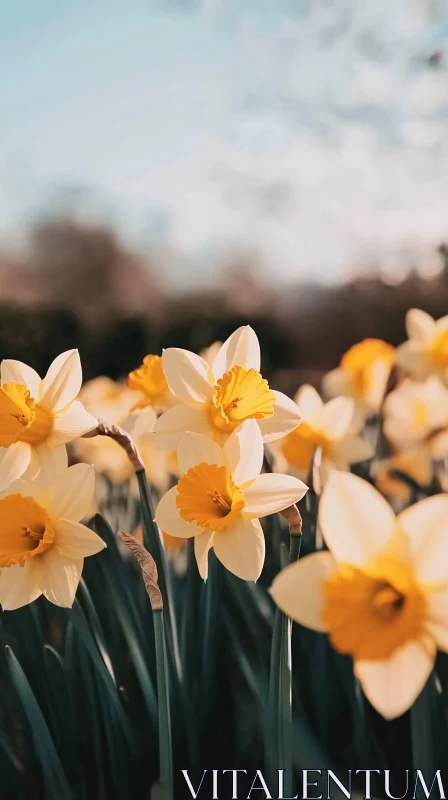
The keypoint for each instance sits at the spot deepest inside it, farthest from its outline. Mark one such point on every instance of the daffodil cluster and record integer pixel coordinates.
(42, 500)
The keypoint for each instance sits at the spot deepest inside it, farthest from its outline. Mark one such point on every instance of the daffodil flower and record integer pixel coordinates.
(380, 592)
(215, 400)
(415, 410)
(415, 462)
(324, 425)
(42, 543)
(38, 417)
(221, 496)
(362, 374)
(426, 351)
(149, 383)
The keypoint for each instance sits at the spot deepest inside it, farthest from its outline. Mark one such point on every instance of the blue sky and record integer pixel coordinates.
(314, 136)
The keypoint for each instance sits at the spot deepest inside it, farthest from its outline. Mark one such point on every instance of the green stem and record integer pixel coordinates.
(422, 734)
(153, 543)
(165, 748)
(280, 754)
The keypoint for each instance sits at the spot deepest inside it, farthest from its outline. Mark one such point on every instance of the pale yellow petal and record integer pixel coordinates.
(58, 577)
(74, 540)
(240, 349)
(337, 416)
(70, 493)
(194, 448)
(202, 546)
(175, 422)
(18, 372)
(70, 423)
(244, 452)
(169, 520)
(17, 587)
(241, 549)
(187, 375)
(286, 417)
(355, 520)
(419, 324)
(351, 449)
(14, 461)
(335, 383)
(392, 686)
(62, 382)
(426, 524)
(297, 589)
(272, 492)
(309, 402)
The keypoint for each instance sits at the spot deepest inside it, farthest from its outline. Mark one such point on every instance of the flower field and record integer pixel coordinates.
(200, 573)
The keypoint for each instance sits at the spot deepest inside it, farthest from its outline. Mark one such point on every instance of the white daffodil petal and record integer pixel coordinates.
(14, 461)
(241, 549)
(426, 524)
(70, 494)
(202, 546)
(337, 416)
(286, 417)
(392, 686)
(175, 422)
(140, 423)
(58, 577)
(309, 401)
(270, 493)
(17, 587)
(419, 325)
(335, 383)
(240, 349)
(37, 489)
(355, 520)
(74, 421)
(169, 520)
(297, 589)
(352, 449)
(74, 540)
(186, 375)
(194, 448)
(412, 359)
(52, 460)
(244, 452)
(62, 382)
(18, 372)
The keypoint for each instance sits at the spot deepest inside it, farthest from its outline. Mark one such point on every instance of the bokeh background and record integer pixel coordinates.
(170, 169)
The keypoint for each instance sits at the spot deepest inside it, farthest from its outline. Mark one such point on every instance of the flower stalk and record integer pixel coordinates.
(150, 578)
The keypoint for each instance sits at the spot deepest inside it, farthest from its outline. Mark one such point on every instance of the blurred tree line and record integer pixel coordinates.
(80, 287)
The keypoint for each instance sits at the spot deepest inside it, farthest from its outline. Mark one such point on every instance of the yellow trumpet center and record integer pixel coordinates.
(239, 395)
(439, 350)
(299, 446)
(358, 361)
(26, 530)
(21, 419)
(207, 494)
(371, 612)
(149, 379)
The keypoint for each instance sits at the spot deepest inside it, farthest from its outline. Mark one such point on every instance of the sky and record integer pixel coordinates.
(310, 134)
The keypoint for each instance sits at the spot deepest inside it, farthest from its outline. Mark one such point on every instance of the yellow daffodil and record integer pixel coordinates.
(42, 543)
(416, 462)
(221, 496)
(38, 417)
(324, 425)
(215, 401)
(381, 592)
(414, 410)
(426, 351)
(362, 374)
(149, 381)
(112, 403)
